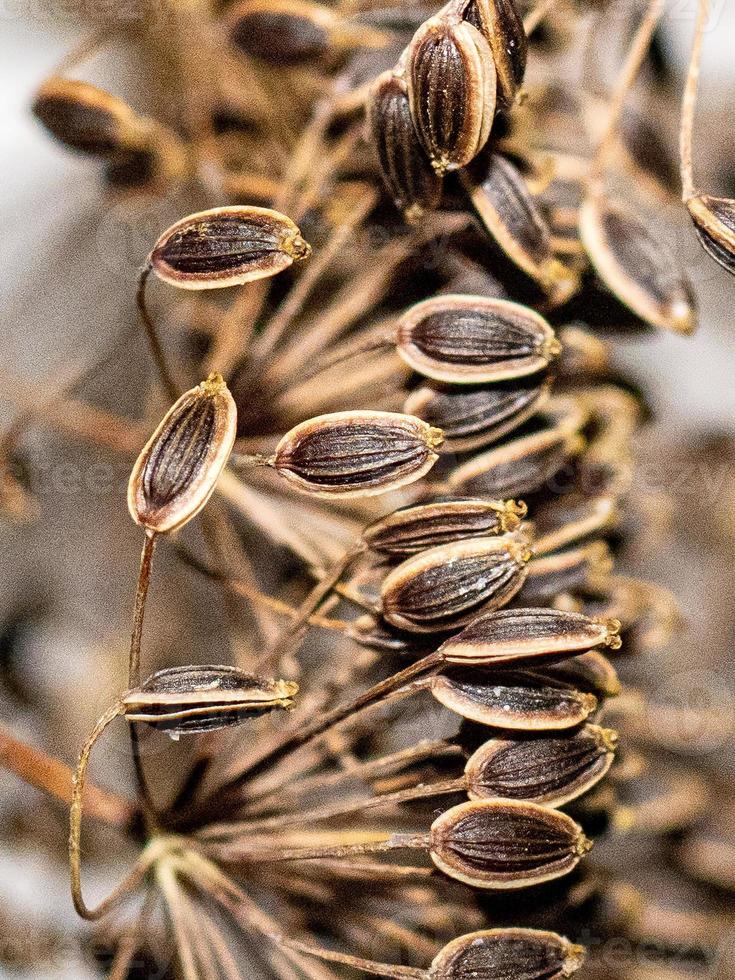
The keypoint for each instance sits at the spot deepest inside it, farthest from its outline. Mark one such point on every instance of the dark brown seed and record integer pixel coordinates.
(473, 418)
(507, 954)
(635, 266)
(506, 844)
(502, 27)
(412, 529)
(176, 472)
(280, 32)
(411, 181)
(85, 118)
(474, 339)
(357, 453)
(445, 587)
(187, 700)
(451, 85)
(714, 222)
(227, 246)
(520, 701)
(524, 636)
(551, 769)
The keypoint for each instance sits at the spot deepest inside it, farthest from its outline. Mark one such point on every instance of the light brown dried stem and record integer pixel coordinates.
(141, 594)
(258, 852)
(689, 104)
(154, 341)
(130, 941)
(536, 16)
(180, 919)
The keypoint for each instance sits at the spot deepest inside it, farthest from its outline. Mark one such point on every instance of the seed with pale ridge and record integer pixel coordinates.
(507, 954)
(714, 222)
(460, 339)
(573, 570)
(591, 671)
(444, 587)
(176, 472)
(357, 453)
(503, 845)
(281, 32)
(227, 246)
(85, 118)
(502, 27)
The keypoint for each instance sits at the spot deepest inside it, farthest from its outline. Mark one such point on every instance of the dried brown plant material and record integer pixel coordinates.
(513, 700)
(189, 700)
(281, 32)
(573, 570)
(541, 769)
(502, 954)
(460, 339)
(446, 586)
(505, 845)
(714, 222)
(421, 526)
(451, 86)
(502, 27)
(357, 453)
(591, 671)
(177, 471)
(227, 246)
(413, 184)
(86, 118)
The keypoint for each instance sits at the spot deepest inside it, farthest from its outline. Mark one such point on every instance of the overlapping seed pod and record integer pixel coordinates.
(86, 118)
(714, 222)
(501, 25)
(493, 953)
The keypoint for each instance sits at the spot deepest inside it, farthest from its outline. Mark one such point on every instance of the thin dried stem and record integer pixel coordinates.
(180, 920)
(164, 373)
(356, 962)
(260, 853)
(536, 16)
(141, 594)
(689, 104)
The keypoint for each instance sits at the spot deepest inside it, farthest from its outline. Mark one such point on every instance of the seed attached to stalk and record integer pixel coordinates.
(714, 222)
(188, 700)
(86, 118)
(473, 339)
(357, 453)
(504, 845)
(446, 586)
(451, 86)
(502, 954)
(502, 27)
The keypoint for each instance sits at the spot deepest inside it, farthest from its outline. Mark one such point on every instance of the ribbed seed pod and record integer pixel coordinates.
(550, 769)
(521, 701)
(591, 671)
(635, 266)
(357, 453)
(187, 700)
(472, 418)
(505, 845)
(412, 529)
(411, 181)
(526, 636)
(176, 472)
(280, 32)
(451, 87)
(502, 27)
(227, 246)
(445, 587)
(714, 222)
(568, 571)
(507, 954)
(86, 118)
(473, 339)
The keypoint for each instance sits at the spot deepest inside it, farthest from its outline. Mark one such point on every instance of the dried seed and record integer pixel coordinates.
(714, 222)
(227, 246)
(411, 181)
(473, 339)
(446, 586)
(570, 519)
(86, 118)
(472, 418)
(523, 636)
(502, 845)
(281, 32)
(176, 472)
(548, 770)
(635, 266)
(502, 27)
(413, 529)
(187, 700)
(357, 453)
(519, 701)
(568, 571)
(591, 671)
(507, 954)
(451, 87)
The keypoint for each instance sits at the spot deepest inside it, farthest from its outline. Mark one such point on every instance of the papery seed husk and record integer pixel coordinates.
(444, 587)
(527, 636)
(280, 32)
(357, 453)
(714, 222)
(178, 468)
(506, 845)
(590, 671)
(507, 954)
(521, 701)
(416, 528)
(636, 266)
(568, 571)
(471, 418)
(85, 118)
(411, 181)
(459, 339)
(570, 519)
(502, 27)
(541, 769)
(227, 246)
(451, 85)
(188, 700)
(582, 353)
